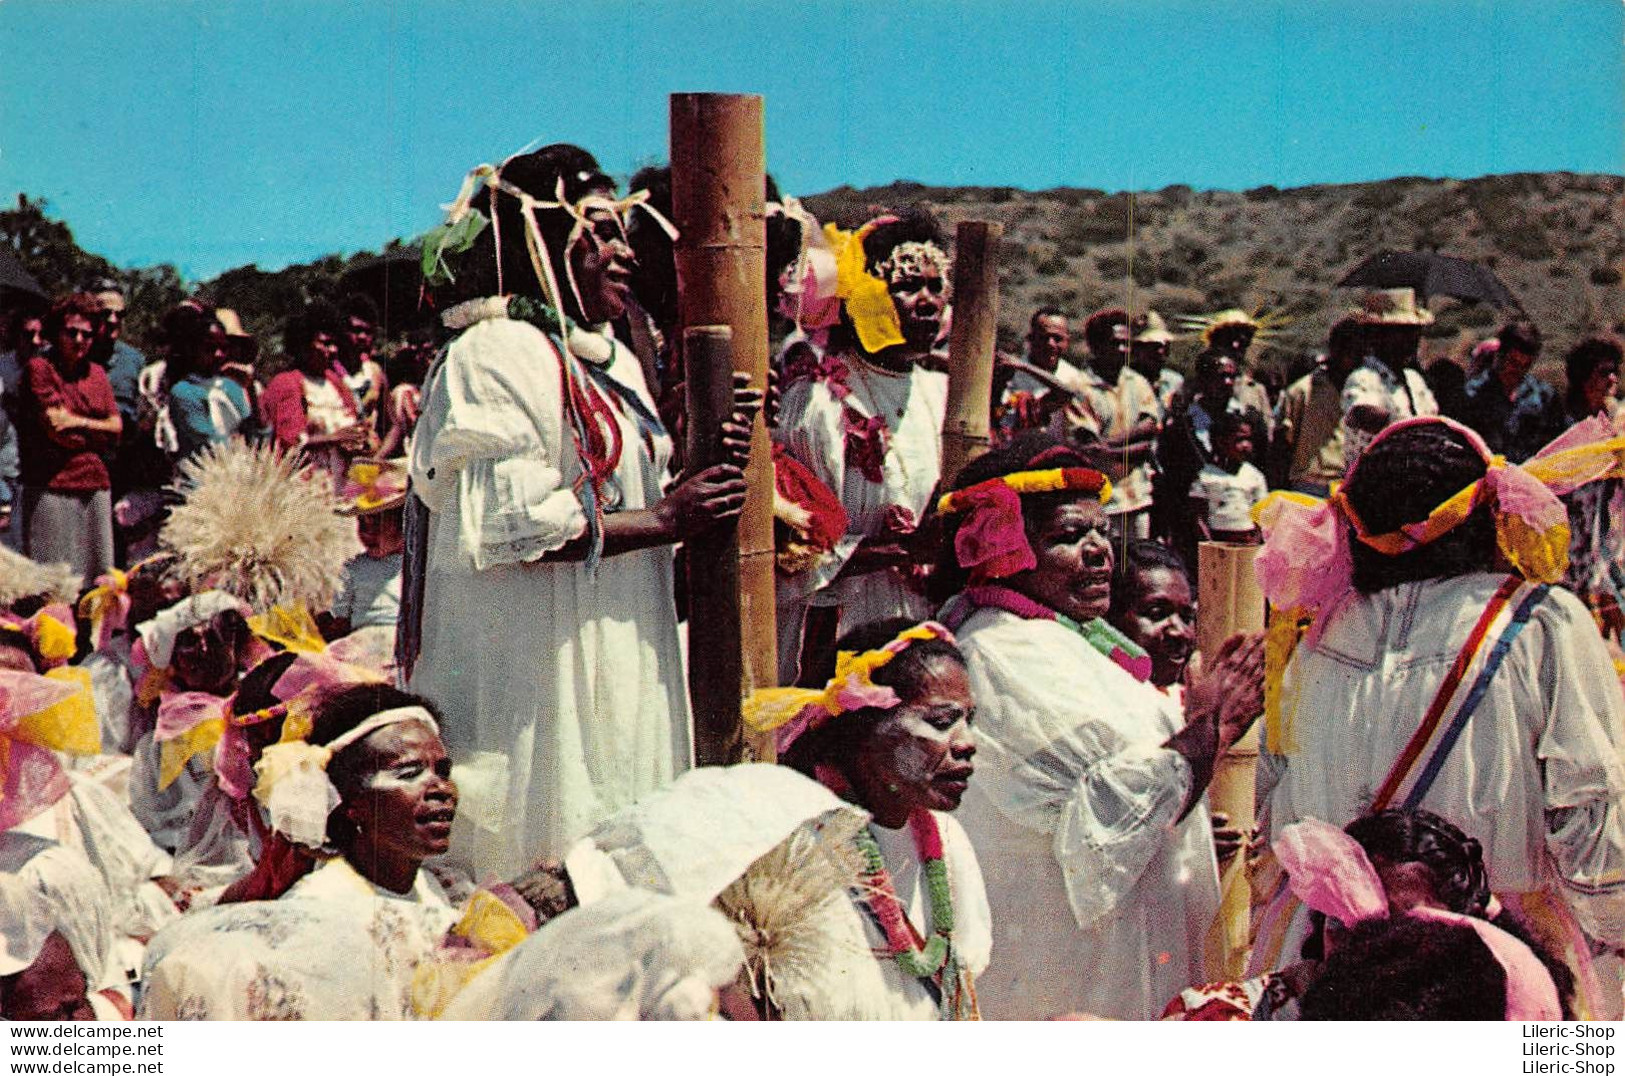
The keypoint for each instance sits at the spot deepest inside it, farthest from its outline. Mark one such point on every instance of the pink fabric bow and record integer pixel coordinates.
(991, 542)
(865, 443)
(1329, 871)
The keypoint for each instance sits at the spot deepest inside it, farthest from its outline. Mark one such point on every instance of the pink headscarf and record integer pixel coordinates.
(1330, 872)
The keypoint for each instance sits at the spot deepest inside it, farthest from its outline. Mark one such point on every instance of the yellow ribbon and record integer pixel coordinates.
(174, 754)
(68, 724)
(767, 709)
(866, 298)
(99, 601)
(290, 627)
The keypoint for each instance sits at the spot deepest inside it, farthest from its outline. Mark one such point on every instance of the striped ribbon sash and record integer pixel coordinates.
(1464, 687)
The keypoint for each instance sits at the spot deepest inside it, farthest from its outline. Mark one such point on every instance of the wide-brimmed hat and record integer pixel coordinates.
(1149, 328)
(373, 486)
(1392, 306)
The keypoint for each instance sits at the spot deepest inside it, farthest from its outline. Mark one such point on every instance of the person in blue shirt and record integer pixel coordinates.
(205, 405)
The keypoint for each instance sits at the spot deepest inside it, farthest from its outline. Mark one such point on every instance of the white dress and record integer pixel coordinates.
(334, 947)
(1538, 776)
(1102, 897)
(562, 687)
(912, 404)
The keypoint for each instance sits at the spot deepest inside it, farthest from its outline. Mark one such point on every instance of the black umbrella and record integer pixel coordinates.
(1428, 273)
(393, 280)
(18, 288)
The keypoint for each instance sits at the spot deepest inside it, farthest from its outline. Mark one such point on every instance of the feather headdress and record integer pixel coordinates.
(259, 526)
(23, 578)
(1264, 325)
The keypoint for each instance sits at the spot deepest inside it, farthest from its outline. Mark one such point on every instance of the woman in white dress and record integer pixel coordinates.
(360, 935)
(1088, 809)
(1441, 672)
(541, 573)
(866, 419)
(891, 734)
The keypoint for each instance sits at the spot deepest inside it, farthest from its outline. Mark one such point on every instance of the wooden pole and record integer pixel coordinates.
(1229, 602)
(715, 664)
(966, 429)
(718, 204)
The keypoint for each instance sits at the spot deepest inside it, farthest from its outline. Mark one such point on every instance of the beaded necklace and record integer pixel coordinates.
(921, 959)
(1098, 633)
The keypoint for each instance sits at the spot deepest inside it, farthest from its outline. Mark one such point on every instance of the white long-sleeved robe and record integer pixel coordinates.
(562, 688)
(1102, 896)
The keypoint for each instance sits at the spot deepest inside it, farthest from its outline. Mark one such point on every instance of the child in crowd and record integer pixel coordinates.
(1224, 493)
(371, 597)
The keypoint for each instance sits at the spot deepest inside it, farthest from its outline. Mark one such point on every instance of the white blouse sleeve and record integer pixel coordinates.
(1581, 750)
(1110, 805)
(496, 428)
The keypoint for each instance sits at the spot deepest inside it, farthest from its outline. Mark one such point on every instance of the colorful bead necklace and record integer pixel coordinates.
(1106, 640)
(921, 959)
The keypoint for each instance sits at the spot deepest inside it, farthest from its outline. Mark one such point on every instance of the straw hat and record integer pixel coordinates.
(373, 486)
(1149, 328)
(1392, 306)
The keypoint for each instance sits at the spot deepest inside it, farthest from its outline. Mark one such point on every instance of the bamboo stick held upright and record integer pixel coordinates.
(965, 431)
(718, 205)
(1230, 601)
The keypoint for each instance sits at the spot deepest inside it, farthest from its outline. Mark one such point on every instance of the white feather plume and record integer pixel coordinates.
(256, 524)
(23, 578)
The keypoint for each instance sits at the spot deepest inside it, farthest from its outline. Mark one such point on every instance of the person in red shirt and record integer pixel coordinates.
(310, 407)
(69, 415)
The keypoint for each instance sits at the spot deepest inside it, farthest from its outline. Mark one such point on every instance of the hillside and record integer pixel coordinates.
(1556, 239)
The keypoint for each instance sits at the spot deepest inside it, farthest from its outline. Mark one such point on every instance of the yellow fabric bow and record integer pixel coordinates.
(866, 298)
(852, 684)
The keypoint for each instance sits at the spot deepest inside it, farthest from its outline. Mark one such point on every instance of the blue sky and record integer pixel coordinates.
(215, 134)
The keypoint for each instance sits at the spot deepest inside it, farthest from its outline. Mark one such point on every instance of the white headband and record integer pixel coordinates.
(292, 782)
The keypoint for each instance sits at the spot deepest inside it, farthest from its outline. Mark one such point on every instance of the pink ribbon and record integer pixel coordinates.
(991, 542)
(1329, 871)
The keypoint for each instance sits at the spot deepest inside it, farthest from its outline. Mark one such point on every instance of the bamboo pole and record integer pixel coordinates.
(1229, 601)
(966, 429)
(718, 205)
(715, 663)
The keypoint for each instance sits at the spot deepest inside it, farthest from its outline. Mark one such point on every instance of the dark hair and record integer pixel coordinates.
(1455, 860)
(1408, 968)
(1521, 336)
(186, 331)
(1026, 451)
(16, 639)
(359, 304)
(79, 304)
(340, 712)
(1099, 330)
(1345, 339)
(1228, 423)
(319, 316)
(1139, 555)
(1455, 864)
(912, 225)
(254, 693)
(837, 742)
(538, 174)
(1044, 312)
(1402, 478)
(1584, 359)
(1207, 363)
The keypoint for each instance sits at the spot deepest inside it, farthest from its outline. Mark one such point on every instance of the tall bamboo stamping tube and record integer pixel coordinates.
(1229, 602)
(965, 430)
(718, 205)
(715, 664)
